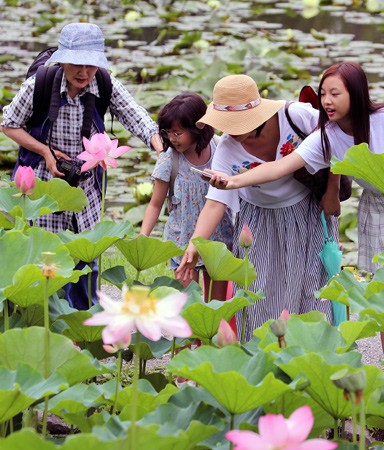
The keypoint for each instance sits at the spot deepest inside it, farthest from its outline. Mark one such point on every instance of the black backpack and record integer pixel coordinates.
(46, 96)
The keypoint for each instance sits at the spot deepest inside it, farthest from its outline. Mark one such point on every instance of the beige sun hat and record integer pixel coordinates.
(237, 107)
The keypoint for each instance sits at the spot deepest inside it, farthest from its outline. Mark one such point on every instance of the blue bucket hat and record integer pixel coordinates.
(81, 44)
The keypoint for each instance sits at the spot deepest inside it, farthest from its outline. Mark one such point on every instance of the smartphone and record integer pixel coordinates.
(201, 172)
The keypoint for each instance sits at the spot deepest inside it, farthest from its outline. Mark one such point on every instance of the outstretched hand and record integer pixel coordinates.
(219, 180)
(187, 266)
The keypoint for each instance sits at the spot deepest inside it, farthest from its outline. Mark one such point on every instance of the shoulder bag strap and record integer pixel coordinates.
(294, 127)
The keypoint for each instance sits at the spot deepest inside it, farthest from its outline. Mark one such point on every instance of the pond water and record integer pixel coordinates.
(161, 48)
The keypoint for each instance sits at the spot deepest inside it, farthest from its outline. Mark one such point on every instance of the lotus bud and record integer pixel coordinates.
(25, 180)
(225, 334)
(245, 238)
(350, 382)
(279, 328)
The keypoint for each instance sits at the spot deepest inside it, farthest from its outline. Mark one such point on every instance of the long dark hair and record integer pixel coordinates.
(186, 109)
(361, 106)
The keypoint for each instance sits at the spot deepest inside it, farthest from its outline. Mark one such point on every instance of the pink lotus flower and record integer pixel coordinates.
(225, 334)
(278, 433)
(138, 310)
(25, 180)
(100, 149)
(245, 238)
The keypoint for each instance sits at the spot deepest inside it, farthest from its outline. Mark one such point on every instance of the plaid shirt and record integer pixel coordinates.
(66, 137)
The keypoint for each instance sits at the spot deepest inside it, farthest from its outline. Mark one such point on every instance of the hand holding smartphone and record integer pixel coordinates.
(201, 172)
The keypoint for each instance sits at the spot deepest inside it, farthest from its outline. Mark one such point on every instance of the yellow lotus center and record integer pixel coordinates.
(137, 301)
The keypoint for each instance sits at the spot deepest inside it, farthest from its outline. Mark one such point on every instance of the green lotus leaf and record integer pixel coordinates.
(150, 349)
(353, 331)
(361, 163)
(90, 244)
(21, 387)
(222, 265)
(192, 424)
(77, 331)
(144, 252)
(32, 208)
(204, 318)
(363, 298)
(21, 261)
(27, 346)
(148, 399)
(68, 198)
(238, 381)
(73, 404)
(310, 336)
(115, 275)
(28, 286)
(321, 389)
(26, 439)
(147, 437)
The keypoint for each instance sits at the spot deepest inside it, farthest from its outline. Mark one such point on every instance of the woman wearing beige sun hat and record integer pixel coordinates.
(283, 215)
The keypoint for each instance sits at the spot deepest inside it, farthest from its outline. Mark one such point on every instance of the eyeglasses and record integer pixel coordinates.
(166, 134)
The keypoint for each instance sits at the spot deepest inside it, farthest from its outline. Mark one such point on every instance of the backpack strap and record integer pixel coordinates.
(104, 84)
(294, 127)
(42, 94)
(174, 172)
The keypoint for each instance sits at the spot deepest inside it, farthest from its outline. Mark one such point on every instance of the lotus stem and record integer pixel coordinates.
(101, 219)
(244, 315)
(134, 398)
(6, 314)
(89, 279)
(362, 423)
(24, 201)
(118, 376)
(353, 398)
(336, 428)
(243, 324)
(102, 196)
(210, 290)
(46, 353)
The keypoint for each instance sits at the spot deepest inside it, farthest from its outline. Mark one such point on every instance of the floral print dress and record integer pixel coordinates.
(188, 200)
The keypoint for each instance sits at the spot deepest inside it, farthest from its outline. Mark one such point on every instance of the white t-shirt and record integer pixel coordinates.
(311, 151)
(232, 158)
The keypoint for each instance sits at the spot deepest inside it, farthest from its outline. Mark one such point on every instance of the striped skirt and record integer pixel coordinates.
(285, 254)
(370, 229)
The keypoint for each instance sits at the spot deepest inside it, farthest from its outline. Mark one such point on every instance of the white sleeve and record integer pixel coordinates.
(312, 153)
(304, 116)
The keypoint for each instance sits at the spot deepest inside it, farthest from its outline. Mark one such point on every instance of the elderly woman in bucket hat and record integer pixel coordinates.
(283, 215)
(80, 53)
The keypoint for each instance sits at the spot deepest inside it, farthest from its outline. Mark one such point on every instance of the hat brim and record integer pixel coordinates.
(240, 122)
(79, 57)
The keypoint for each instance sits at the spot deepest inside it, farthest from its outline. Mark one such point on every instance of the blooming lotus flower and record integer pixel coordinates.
(245, 238)
(278, 433)
(25, 180)
(225, 334)
(100, 149)
(138, 310)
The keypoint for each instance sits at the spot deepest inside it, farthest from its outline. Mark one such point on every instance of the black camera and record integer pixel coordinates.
(72, 171)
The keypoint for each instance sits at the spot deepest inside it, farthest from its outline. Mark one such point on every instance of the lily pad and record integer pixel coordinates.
(238, 381)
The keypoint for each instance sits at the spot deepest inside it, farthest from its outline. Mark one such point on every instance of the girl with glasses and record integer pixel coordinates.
(185, 147)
